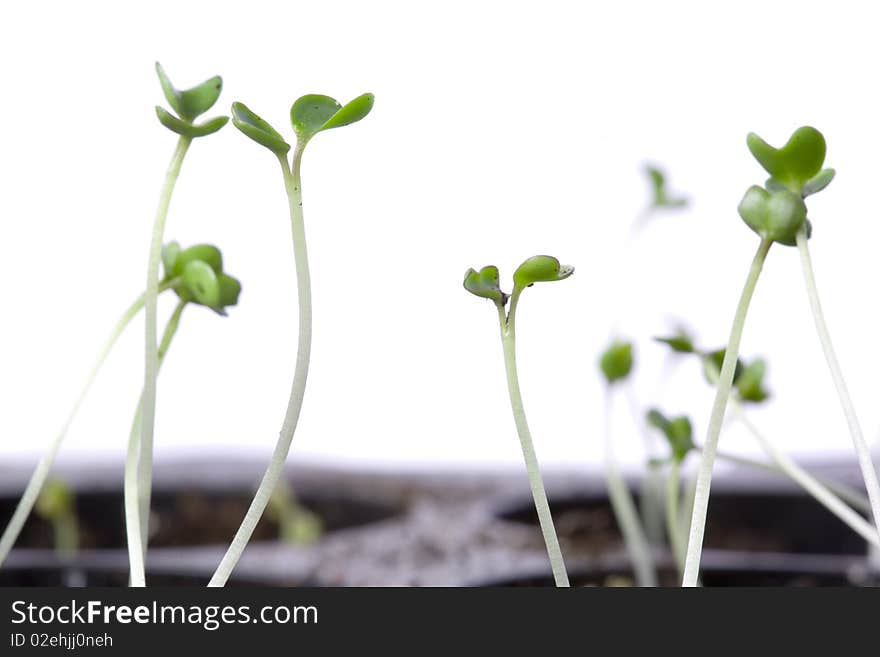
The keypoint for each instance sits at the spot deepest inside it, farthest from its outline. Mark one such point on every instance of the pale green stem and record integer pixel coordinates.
(66, 530)
(261, 499)
(151, 355)
(41, 472)
(625, 509)
(869, 473)
(651, 503)
(539, 495)
(137, 503)
(809, 483)
(673, 518)
(844, 492)
(704, 474)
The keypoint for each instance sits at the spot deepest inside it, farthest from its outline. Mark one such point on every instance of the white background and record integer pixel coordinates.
(500, 130)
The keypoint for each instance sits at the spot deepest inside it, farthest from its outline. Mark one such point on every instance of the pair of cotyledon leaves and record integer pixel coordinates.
(310, 114)
(537, 269)
(678, 431)
(777, 211)
(189, 104)
(202, 280)
(748, 378)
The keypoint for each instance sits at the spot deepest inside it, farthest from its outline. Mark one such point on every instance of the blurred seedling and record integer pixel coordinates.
(309, 116)
(749, 387)
(187, 105)
(56, 505)
(616, 365)
(661, 199)
(197, 277)
(44, 466)
(296, 524)
(485, 284)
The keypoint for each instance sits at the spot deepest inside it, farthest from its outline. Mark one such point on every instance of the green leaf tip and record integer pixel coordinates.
(660, 194)
(678, 432)
(795, 164)
(258, 129)
(315, 113)
(540, 268)
(750, 384)
(189, 104)
(776, 215)
(485, 284)
(616, 362)
(201, 279)
(680, 343)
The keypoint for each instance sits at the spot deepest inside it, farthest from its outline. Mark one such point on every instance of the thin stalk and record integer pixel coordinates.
(137, 501)
(673, 517)
(651, 495)
(293, 185)
(869, 473)
(625, 509)
(809, 483)
(539, 495)
(41, 472)
(844, 492)
(66, 531)
(151, 353)
(704, 474)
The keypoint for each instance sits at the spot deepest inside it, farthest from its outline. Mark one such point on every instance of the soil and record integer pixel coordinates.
(190, 517)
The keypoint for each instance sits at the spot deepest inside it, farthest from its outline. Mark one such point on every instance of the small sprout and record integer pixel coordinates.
(776, 216)
(297, 525)
(315, 113)
(797, 165)
(616, 362)
(258, 129)
(678, 432)
(661, 197)
(485, 284)
(540, 268)
(750, 384)
(712, 363)
(198, 271)
(680, 343)
(189, 104)
(55, 501)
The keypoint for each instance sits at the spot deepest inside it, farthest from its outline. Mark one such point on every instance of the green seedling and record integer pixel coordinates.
(44, 466)
(188, 105)
(798, 167)
(679, 433)
(309, 116)
(839, 499)
(485, 284)
(661, 199)
(196, 275)
(778, 215)
(296, 524)
(616, 364)
(56, 505)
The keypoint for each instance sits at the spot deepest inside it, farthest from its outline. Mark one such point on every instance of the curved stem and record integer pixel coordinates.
(673, 526)
(704, 474)
(539, 495)
(292, 183)
(136, 490)
(625, 509)
(41, 472)
(869, 473)
(809, 483)
(151, 355)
